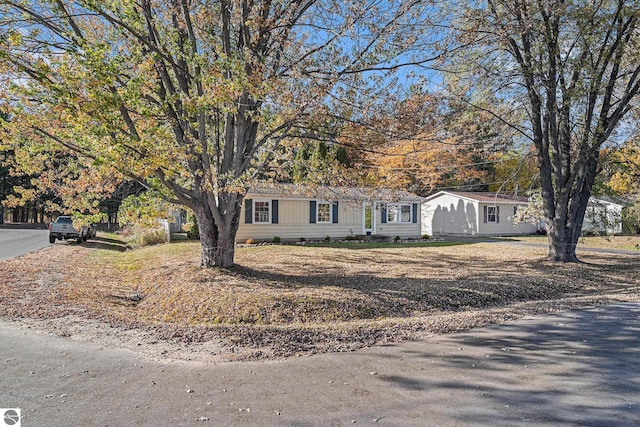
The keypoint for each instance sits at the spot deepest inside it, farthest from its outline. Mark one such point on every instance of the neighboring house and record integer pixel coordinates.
(177, 220)
(473, 214)
(294, 212)
(602, 216)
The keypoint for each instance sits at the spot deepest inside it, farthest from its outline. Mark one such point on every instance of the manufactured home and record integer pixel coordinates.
(296, 212)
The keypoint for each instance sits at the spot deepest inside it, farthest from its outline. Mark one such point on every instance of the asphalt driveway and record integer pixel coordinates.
(578, 368)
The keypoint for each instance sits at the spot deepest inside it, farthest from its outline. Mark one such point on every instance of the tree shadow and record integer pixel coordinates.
(392, 245)
(470, 284)
(577, 368)
(405, 382)
(99, 242)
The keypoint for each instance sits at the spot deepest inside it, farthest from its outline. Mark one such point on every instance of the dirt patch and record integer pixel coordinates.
(282, 301)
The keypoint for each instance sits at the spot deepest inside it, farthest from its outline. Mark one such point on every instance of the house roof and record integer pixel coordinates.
(604, 201)
(488, 197)
(491, 197)
(333, 193)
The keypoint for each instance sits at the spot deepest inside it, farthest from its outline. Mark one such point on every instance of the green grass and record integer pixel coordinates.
(113, 249)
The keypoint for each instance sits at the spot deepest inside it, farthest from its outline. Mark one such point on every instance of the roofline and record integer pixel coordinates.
(596, 200)
(267, 191)
(439, 193)
(505, 202)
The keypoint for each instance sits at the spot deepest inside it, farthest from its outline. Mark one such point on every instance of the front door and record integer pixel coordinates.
(368, 219)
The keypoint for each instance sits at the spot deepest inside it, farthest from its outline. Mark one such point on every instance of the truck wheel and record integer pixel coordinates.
(52, 239)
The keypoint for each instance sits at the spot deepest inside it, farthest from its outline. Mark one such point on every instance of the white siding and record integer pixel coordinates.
(602, 216)
(293, 223)
(448, 214)
(402, 229)
(506, 225)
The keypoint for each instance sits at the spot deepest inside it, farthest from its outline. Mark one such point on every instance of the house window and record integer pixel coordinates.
(392, 213)
(492, 214)
(405, 213)
(261, 212)
(399, 213)
(324, 212)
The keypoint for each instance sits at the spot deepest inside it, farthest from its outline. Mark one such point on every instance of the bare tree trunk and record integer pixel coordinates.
(230, 207)
(208, 235)
(561, 221)
(562, 243)
(218, 237)
(564, 226)
(225, 250)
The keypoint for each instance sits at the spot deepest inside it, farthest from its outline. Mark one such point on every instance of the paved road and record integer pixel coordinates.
(16, 242)
(574, 369)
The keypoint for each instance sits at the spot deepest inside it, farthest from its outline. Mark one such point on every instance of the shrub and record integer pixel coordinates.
(276, 239)
(350, 237)
(147, 237)
(426, 237)
(250, 241)
(327, 239)
(396, 239)
(191, 227)
(143, 210)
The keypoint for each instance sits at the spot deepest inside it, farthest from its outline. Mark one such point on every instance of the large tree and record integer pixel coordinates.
(574, 66)
(193, 97)
(420, 150)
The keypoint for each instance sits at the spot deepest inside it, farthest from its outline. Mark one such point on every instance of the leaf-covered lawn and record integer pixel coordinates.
(285, 300)
(628, 242)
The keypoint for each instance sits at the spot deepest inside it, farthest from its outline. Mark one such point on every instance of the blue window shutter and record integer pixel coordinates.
(248, 211)
(274, 212)
(312, 212)
(383, 214)
(414, 214)
(335, 213)
(485, 214)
